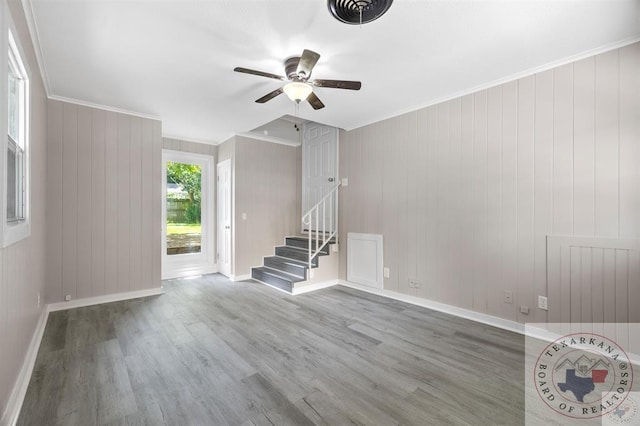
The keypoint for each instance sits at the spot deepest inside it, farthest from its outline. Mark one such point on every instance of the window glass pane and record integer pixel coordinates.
(184, 194)
(14, 105)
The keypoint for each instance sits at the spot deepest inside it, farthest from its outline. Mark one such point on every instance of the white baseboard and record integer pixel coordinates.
(441, 307)
(516, 327)
(12, 411)
(190, 272)
(240, 277)
(116, 297)
(313, 287)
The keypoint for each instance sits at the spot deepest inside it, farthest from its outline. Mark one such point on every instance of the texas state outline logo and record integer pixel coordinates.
(583, 375)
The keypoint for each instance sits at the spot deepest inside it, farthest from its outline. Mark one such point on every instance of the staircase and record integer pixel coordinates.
(290, 264)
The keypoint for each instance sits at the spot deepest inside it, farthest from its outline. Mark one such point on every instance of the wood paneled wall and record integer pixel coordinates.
(465, 192)
(22, 265)
(266, 188)
(103, 198)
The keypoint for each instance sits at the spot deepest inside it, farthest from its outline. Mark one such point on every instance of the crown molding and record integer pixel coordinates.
(104, 107)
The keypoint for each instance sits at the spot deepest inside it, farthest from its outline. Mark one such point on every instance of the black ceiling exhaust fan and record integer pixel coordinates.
(299, 87)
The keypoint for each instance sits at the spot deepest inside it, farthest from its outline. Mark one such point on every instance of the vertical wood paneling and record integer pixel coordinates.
(609, 278)
(124, 202)
(563, 150)
(496, 172)
(629, 92)
(135, 197)
(622, 285)
(606, 143)
(146, 226)
(101, 192)
(480, 291)
(111, 203)
(98, 197)
(443, 208)
(456, 235)
(584, 148)
(84, 203)
(54, 201)
(466, 249)
(597, 285)
(69, 199)
(509, 198)
(494, 198)
(525, 170)
(543, 178)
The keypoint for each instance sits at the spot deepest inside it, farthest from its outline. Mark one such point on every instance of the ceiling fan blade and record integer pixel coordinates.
(308, 60)
(338, 84)
(269, 96)
(260, 73)
(314, 101)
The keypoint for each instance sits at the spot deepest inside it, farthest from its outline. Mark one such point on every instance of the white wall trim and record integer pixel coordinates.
(503, 80)
(183, 139)
(27, 6)
(103, 107)
(14, 405)
(235, 278)
(267, 138)
(190, 272)
(313, 287)
(441, 307)
(108, 298)
(516, 327)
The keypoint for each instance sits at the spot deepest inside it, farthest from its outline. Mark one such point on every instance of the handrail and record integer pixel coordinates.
(319, 213)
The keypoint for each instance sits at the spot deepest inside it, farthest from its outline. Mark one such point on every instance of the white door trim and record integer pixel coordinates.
(182, 265)
(225, 269)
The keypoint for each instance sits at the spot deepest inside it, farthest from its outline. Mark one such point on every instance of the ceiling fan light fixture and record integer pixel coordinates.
(297, 91)
(356, 12)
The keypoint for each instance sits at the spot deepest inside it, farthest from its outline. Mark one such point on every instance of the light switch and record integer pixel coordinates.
(244, 216)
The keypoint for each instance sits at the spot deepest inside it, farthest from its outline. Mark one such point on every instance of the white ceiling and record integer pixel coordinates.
(174, 59)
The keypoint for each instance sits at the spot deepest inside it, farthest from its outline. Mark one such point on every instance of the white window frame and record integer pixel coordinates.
(14, 231)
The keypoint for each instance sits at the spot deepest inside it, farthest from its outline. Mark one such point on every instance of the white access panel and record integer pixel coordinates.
(364, 259)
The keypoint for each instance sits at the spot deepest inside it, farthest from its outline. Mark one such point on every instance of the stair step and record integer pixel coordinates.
(275, 278)
(293, 267)
(296, 254)
(303, 242)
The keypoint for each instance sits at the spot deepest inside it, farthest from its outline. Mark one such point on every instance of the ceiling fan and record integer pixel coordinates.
(300, 87)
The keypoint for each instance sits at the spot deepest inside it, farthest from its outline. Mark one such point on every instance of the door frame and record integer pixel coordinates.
(184, 265)
(219, 224)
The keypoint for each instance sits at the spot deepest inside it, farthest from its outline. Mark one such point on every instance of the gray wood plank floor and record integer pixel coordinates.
(213, 352)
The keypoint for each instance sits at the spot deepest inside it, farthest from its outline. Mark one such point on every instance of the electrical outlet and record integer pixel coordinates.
(386, 272)
(524, 309)
(543, 302)
(334, 248)
(345, 182)
(414, 283)
(38, 299)
(67, 298)
(508, 296)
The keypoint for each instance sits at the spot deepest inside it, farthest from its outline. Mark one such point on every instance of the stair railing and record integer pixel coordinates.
(317, 218)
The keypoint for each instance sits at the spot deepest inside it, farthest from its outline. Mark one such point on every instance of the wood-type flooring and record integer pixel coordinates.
(213, 352)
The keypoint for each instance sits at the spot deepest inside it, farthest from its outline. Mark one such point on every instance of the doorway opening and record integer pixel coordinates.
(187, 232)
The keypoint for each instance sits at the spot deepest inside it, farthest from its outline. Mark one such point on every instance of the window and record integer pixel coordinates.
(16, 223)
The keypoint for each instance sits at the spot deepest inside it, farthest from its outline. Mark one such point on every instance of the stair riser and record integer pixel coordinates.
(305, 245)
(299, 271)
(294, 254)
(271, 280)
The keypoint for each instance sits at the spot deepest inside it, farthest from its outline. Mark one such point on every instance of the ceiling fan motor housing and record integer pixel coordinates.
(291, 68)
(357, 12)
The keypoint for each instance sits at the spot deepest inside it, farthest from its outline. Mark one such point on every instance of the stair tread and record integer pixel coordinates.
(305, 239)
(279, 274)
